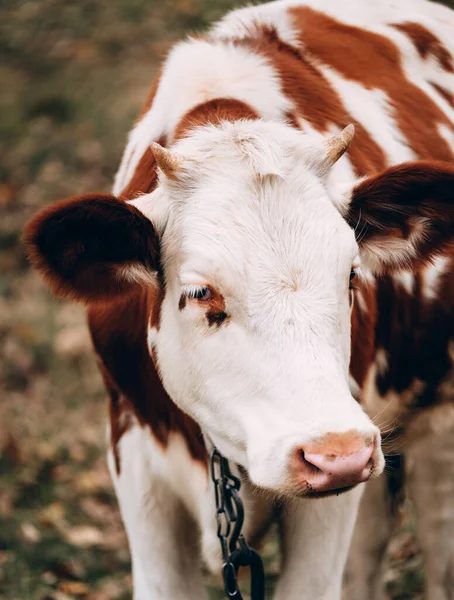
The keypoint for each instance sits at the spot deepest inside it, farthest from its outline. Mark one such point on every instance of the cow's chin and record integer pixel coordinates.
(328, 493)
(307, 491)
(296, 491)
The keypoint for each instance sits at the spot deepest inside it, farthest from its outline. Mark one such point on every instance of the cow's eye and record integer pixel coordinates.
(198, 292)
(352, 277)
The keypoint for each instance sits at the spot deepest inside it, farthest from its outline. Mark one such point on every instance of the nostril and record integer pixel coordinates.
(308, 465)
(370, 464)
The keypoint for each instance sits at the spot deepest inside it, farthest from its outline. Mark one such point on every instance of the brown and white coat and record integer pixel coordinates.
(256, 81)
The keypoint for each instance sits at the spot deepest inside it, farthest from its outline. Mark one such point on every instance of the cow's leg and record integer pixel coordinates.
(315, 540)
(364, 573)
(163, 538)
(431, 486)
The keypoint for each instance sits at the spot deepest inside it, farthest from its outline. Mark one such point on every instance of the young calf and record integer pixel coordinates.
(223, 276)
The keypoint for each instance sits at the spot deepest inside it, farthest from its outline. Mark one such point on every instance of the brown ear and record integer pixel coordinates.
(404, 215)
(92, 247)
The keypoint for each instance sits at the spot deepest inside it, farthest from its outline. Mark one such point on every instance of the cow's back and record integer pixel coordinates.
(385, 66)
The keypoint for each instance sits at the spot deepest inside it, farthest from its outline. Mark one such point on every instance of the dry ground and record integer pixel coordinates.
(73, 76)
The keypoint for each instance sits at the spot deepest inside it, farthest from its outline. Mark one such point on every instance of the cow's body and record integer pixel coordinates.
(382, 68)
(387, 67)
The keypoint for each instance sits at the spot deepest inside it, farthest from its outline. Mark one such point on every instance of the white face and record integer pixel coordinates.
(254, 334)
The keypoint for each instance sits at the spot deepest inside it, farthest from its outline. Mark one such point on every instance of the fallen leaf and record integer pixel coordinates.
(72, 342)
(7, 194)
(7, 501)
(76, 588)
(52, 514)
(29, 533)
(5, 556)
(57, 595)
(10, 450)
(84, 536)
(49, 578)
(89, 481)
(95, 509)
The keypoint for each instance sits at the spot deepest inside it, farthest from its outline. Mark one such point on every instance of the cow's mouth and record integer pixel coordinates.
(325, 494)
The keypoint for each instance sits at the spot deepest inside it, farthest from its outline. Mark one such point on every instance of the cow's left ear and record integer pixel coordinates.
(404, 215)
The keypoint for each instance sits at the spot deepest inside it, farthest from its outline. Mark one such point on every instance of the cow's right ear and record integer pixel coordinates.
(93, 247)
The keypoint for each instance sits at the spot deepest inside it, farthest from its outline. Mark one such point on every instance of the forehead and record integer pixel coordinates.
(236, 214)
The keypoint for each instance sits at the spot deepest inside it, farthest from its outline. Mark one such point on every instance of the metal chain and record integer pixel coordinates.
(236, 552)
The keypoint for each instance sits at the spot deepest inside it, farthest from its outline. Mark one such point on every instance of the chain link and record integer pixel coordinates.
(230, 517)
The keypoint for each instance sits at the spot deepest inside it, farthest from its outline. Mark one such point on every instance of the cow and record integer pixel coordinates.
(282, 216)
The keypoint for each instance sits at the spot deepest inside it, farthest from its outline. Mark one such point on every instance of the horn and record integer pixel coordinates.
(337, 145)
(166, 160)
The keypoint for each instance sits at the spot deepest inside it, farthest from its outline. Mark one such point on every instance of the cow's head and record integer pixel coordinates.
(251, 260)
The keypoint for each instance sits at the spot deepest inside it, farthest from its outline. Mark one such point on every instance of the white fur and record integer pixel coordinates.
(374, 111)
(432, 274)
(243, 22)
(447, 134)
(406, 279)
(381, 360)
(156, 515)
(137, 274)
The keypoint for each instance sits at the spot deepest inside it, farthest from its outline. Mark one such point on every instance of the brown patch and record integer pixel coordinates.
(338, 444)
(145, 178)
(427, 44)
(416, 336)
(119, 334)
(155, 299)
(216, 318)
(216, 314)
(292, 120)
(395, 327)
(82, 245)
(447, 95)
(120, 415)
(120, 422)
(182, 302)
(315, 99)
(213, 112)
(351, 51)
(363, 330)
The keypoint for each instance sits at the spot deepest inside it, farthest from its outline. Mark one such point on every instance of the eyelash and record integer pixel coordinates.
(197, 292)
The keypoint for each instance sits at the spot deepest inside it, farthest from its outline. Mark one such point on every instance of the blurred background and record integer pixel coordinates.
(73, 75)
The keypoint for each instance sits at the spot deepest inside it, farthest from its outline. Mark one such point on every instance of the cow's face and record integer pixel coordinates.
(253, 339)
(250, 330)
